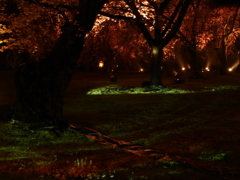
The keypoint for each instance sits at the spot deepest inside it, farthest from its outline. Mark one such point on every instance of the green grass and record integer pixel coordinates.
(212, 156)
(184, 124)
(22, 135)
(222, 88)
(120, 90)
(20, 143)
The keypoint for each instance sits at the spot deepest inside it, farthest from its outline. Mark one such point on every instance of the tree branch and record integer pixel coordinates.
(170, 21)
(141, 26)
(139, 22)
(116, 16)
(183, 37)
(163, 6)
(177, 24)
(134, 9)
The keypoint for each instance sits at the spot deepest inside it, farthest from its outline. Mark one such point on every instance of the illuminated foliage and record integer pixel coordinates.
(118, 44)
(34, 26)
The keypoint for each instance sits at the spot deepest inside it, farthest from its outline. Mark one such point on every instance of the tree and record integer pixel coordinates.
(207, 31)
(221, 26)
(191, 34)
(226, 32)
(158, 21)
(41, 83)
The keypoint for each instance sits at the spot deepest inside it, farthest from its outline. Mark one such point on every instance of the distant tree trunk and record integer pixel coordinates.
(194, 61)
(41, 86)
(223, 59)
(224, 42)
(156, 63)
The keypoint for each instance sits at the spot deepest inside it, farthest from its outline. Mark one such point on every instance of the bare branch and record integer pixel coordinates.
(116, 16)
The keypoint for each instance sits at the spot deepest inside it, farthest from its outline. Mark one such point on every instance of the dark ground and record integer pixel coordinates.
(196, 134)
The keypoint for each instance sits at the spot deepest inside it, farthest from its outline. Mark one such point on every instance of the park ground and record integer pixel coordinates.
(192, 131)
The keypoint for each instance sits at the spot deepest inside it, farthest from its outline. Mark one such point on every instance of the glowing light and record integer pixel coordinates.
(101, 64)
(207, 69)
(141, 70)
(155, 50)
(183, 68)
(230, 69)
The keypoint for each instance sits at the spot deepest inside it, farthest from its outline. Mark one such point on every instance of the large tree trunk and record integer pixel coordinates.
(156, 64)
(41, 86)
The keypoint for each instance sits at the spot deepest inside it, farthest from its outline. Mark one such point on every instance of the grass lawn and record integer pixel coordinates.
(193, 129)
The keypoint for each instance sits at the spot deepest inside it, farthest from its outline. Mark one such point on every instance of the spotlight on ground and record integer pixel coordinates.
(207, 69)
(230, 69)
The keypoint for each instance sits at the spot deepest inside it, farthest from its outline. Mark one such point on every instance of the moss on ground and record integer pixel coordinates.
(118, 90)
